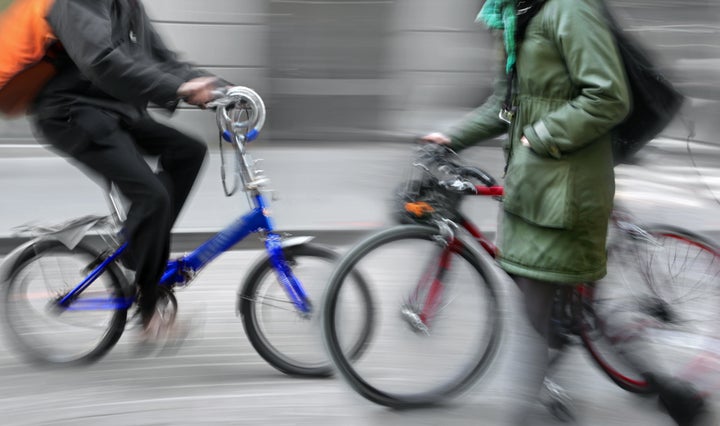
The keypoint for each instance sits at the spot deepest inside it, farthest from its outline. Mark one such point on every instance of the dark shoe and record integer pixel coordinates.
(166, 333)
(155, 332)
(682, 401)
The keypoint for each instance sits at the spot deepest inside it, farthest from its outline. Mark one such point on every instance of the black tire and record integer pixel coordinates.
(671, 281)
(67, 337)
(302, 354)
(377, 376)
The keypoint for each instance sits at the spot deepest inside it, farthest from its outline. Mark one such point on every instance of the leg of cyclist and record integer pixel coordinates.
(180, 157)
(538, 299)
(101, 142)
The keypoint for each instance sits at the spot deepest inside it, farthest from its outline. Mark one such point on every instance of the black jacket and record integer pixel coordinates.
(113, 59)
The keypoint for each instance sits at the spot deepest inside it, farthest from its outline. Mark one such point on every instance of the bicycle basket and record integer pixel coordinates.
(421, 198)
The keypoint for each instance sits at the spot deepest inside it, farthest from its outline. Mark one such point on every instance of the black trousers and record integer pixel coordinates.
(538, 298)
(114, 148)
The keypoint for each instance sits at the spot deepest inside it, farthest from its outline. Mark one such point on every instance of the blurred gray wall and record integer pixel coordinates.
(328, 75)
(442, 64)
(342, 70)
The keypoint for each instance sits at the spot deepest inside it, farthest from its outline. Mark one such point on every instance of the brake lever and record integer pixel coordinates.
(459, 185)
(218, 95)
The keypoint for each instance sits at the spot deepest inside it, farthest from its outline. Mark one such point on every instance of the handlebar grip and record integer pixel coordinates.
(478, 174)
(219, 92)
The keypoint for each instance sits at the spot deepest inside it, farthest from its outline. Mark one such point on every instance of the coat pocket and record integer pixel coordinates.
(539, 189)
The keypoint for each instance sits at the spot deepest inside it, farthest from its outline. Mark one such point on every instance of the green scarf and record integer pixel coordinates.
(501, 15)
(4, 4)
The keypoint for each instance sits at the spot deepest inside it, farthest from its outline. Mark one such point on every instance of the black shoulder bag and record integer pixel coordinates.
(654, 99)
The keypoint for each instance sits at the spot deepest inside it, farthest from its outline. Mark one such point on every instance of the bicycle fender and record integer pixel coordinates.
(296, 241)
(69, 233)
(12, 258)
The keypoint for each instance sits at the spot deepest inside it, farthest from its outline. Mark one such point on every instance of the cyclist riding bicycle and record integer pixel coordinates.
(94, 110)
(563, 90)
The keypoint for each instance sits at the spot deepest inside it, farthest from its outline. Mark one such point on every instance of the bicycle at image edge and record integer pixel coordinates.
(66, 297)
(437, 312)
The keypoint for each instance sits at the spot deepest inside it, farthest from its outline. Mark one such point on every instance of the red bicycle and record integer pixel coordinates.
(437, 316)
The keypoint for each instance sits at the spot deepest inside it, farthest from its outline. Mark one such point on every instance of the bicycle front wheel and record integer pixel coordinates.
(42, 331)
(662, 291)
(287, 339)
(436, 317)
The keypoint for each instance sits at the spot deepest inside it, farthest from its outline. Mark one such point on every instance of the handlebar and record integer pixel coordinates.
(458, 176)
(240, 115)
(230, 104)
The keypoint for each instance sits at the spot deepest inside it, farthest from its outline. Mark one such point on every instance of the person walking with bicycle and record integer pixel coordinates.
(563, 88)
(94, 110)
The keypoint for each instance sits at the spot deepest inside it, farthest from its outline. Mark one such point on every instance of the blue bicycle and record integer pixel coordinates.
(66, 295)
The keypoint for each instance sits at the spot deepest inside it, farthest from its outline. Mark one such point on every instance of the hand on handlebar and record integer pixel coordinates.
(199, 91)
(438, 138)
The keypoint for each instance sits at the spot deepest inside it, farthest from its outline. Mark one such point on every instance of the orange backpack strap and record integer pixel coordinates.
(25, 39)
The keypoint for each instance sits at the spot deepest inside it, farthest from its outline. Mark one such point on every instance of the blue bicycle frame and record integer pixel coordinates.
(182, 270)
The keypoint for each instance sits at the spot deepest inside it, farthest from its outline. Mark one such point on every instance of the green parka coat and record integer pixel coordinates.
(571, 90)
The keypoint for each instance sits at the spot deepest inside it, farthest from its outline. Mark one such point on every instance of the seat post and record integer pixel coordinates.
(117, 207)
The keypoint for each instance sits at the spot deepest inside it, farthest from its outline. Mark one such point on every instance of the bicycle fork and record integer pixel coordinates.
(287, 279)
(425, 301)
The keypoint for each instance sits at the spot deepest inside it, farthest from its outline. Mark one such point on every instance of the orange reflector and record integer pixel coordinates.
(419, 208)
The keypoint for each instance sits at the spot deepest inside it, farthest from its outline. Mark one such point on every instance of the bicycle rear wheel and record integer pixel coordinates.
(663, 288)
(423, 349)
(45, 333)
(287, 339)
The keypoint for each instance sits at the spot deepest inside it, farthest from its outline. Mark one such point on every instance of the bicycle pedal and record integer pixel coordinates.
(558, 401)
(563, 412)
(414, 321)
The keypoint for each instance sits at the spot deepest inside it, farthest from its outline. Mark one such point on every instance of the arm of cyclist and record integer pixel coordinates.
(595, 68)
(125, 66)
